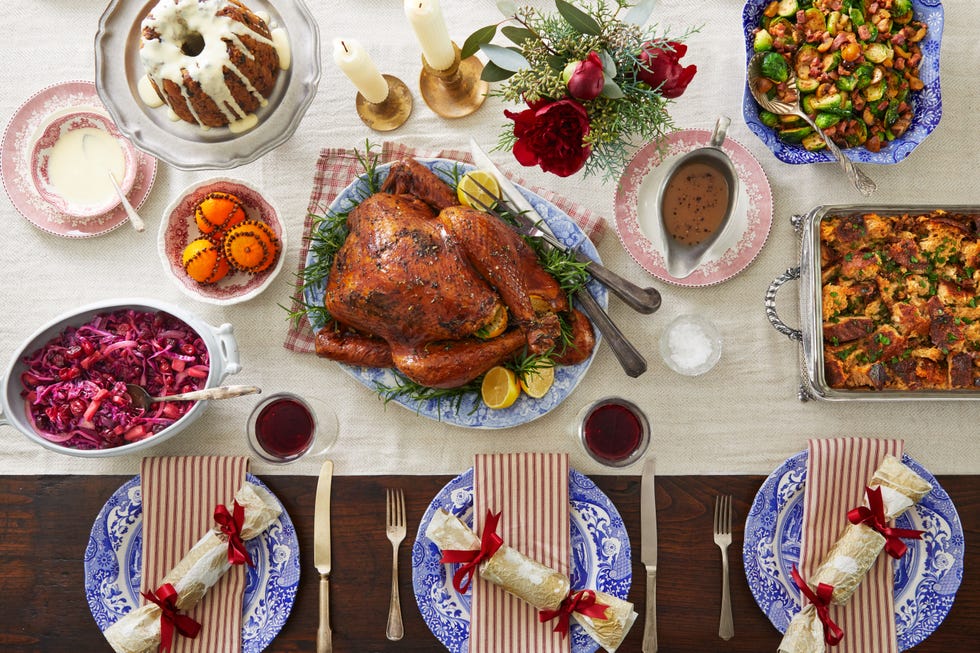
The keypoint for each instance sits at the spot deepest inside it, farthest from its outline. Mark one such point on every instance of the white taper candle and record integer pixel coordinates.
(354, 60)
(426, 19)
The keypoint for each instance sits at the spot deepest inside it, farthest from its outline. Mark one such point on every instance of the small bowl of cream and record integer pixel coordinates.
(72, 159)
(691, 345)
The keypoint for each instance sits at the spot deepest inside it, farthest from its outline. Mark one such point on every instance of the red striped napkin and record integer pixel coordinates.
(838, 470)
(530, 490)
(179, 498)
(336, 168)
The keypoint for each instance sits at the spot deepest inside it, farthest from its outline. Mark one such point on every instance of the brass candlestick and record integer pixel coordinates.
(392, 112)
(457, 91)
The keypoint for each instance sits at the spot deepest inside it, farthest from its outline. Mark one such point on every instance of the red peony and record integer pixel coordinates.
(585, 78)
(550, 135)
(660, 67)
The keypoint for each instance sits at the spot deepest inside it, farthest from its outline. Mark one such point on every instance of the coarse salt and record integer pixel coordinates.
(690, 347)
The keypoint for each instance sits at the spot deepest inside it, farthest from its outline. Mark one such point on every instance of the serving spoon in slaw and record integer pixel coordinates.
(860, 180)
(142, 399)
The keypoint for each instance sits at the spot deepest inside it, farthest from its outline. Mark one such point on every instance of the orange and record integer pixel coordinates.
(251, 246)
(217, 213)
(204, 262)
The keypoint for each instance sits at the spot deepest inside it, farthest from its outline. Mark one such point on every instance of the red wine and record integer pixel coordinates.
(613, 432)
(284, 428)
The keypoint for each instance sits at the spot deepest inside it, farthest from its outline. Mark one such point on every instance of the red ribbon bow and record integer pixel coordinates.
(583, 602)
(874, 516)
(832, 633)
(489, 544)
(231, 525)
(170, 618)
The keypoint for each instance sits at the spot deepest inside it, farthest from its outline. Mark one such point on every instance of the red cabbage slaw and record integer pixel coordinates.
(75, 385)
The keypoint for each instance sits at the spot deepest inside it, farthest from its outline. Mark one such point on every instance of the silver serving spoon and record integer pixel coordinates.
(860, 180)
(142, 399)
(134, 217)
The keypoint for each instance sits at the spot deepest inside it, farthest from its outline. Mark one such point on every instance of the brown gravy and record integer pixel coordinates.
(694, 202)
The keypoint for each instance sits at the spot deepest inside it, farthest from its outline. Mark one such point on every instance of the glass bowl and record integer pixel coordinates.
(690, 345)
(927, 104)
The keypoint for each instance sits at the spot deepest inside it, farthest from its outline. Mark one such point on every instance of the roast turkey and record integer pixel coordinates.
(440, 291)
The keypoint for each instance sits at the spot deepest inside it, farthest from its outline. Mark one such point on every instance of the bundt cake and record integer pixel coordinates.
(214, 62)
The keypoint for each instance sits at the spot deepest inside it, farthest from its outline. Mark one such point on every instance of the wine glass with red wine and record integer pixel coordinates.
(285, 427)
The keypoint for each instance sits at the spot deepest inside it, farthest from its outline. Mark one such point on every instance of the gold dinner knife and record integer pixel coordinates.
(648, 554)
(321, 554)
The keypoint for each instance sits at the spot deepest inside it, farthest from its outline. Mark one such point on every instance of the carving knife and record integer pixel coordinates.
(629, 357)
(642, 300)
(648, 553)
(321, 554)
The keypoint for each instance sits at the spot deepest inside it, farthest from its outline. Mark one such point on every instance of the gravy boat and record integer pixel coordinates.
(683, 259)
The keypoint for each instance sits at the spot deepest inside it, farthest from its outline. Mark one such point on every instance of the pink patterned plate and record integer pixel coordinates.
(178, 228)
(24, 129)
(637, 217)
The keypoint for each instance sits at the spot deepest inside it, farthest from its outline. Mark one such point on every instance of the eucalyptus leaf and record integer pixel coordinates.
(506, 58)
(578, 19)
(494, 73)
(507, 7)
(640, 12)
(611, 90)
(608, 64)
(476, 39)
(516, 34)
(557, 62)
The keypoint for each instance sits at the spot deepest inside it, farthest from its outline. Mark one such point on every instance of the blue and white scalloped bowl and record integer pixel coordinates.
(927, 104)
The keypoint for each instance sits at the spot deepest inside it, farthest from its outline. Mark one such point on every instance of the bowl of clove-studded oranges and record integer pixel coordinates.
(221, 241)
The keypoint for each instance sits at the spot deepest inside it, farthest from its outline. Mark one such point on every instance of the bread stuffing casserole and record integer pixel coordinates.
(899, 301)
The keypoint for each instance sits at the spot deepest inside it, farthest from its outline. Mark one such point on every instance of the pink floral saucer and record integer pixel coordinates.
(25, 127)
(636, 214)
(178, 228)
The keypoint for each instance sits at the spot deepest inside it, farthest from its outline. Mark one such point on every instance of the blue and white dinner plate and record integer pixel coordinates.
(472, 412)
(926, 577)
(927, 104)
(113, 567)
(600, 559)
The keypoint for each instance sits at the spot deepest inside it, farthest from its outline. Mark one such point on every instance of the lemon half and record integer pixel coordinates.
(468, 184)
(538, 381)
(500, 388)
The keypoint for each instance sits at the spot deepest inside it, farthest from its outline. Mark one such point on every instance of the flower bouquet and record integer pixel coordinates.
(592, 81)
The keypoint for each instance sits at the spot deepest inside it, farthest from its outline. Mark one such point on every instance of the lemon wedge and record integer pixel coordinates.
(468, 184)
(536, 382)
(500, 388)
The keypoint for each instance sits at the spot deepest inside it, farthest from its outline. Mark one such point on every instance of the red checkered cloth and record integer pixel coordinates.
(336, 168)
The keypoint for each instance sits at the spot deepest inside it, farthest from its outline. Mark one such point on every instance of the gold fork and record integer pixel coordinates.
(395, 529)
(723, 538)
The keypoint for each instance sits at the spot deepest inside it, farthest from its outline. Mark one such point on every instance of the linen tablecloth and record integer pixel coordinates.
(742, 417)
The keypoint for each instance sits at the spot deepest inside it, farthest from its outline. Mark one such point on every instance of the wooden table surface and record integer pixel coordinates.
(45, 522)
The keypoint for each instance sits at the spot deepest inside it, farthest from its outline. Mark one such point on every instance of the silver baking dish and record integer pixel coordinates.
(813, 383)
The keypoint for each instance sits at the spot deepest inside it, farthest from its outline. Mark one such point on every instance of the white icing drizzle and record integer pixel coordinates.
(147, 93)
(281, 42)
(163, 58)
